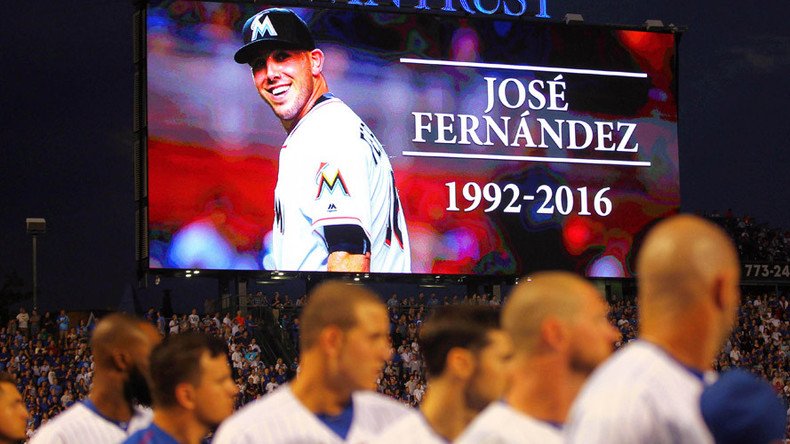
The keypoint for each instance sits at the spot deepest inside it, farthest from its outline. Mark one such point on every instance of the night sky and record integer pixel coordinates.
(67, 138)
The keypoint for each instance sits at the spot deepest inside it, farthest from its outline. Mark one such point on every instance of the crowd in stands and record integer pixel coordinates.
(757, 242)
(51, 360)
(253, 376)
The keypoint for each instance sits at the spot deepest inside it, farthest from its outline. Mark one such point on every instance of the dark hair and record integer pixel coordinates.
(465, 326)
(177, 360)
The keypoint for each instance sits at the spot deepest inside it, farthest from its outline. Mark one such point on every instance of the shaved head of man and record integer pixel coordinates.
(688, 274)
(122, 347)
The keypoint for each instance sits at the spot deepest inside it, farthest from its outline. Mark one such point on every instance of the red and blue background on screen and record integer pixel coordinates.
(213, 144)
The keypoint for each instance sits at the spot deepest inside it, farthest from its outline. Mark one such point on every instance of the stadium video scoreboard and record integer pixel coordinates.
(515, 144)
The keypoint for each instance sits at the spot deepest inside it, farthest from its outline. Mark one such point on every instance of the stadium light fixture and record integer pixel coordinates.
(573, 18)
(36, 226)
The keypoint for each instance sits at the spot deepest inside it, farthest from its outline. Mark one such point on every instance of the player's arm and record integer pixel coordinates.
(342, 261)
(349, 248)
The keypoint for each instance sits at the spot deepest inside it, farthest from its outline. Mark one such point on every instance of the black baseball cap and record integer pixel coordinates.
(273, 28)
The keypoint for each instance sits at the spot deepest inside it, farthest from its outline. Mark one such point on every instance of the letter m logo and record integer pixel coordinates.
(260, 29)
(329, 181)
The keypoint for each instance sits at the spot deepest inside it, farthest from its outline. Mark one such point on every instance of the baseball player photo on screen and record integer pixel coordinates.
(323, 138)
(336, 204)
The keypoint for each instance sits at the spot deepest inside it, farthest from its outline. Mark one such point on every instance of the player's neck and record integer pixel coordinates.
(108, 398)
(319, 89)
(543, 388)
(181, 425)
(444, 407)
(316, 393)
(687, 353)
(685, 337)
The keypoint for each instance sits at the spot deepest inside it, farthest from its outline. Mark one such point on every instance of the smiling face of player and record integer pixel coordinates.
(290, 81)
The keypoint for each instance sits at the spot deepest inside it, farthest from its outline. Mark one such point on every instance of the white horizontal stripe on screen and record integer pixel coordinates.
(636, 163)
(592, 72)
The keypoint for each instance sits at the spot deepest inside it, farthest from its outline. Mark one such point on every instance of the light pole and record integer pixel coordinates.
(35, 227)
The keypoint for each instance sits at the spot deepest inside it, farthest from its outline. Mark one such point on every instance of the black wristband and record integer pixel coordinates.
(349, 238)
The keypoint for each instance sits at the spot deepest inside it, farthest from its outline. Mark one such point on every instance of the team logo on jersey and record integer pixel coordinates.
(260, 29)
(329, 181)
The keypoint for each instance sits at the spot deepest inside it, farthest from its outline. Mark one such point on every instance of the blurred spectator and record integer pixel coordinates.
(756, 242)
(35, 322)
(63, 322)
(22, 321)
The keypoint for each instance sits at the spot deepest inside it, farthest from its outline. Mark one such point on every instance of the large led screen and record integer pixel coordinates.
(448, 145)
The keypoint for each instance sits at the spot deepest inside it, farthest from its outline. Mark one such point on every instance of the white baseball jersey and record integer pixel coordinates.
(413, 429)
(280, 418)
(80, 424)
(641, 394)
(333, 171)
(500, 423)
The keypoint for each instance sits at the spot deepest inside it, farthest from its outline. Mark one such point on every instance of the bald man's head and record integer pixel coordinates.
(553, 298)
(688, 274)
(122, 347)
(681, 258)
(118, 331)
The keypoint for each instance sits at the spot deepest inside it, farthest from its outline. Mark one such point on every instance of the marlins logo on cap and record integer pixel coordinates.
(273, 28)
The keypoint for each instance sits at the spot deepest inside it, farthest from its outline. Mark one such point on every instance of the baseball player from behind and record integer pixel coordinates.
(336, 204)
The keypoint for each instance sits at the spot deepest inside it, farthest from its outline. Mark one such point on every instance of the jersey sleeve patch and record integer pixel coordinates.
(330, 180)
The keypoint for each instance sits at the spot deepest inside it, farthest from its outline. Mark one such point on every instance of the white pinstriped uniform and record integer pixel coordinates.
(640, 395)
(413, 429)
(500, 423)
(334, 171)
(279, 418)
(80, 425)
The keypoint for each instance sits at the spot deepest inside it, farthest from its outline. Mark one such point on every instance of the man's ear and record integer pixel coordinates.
(316, 61)
(121, 361)
(460, 363)
(330, 340)
(553, 333)
(725, 291)
(185, 395)
(718, 292)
